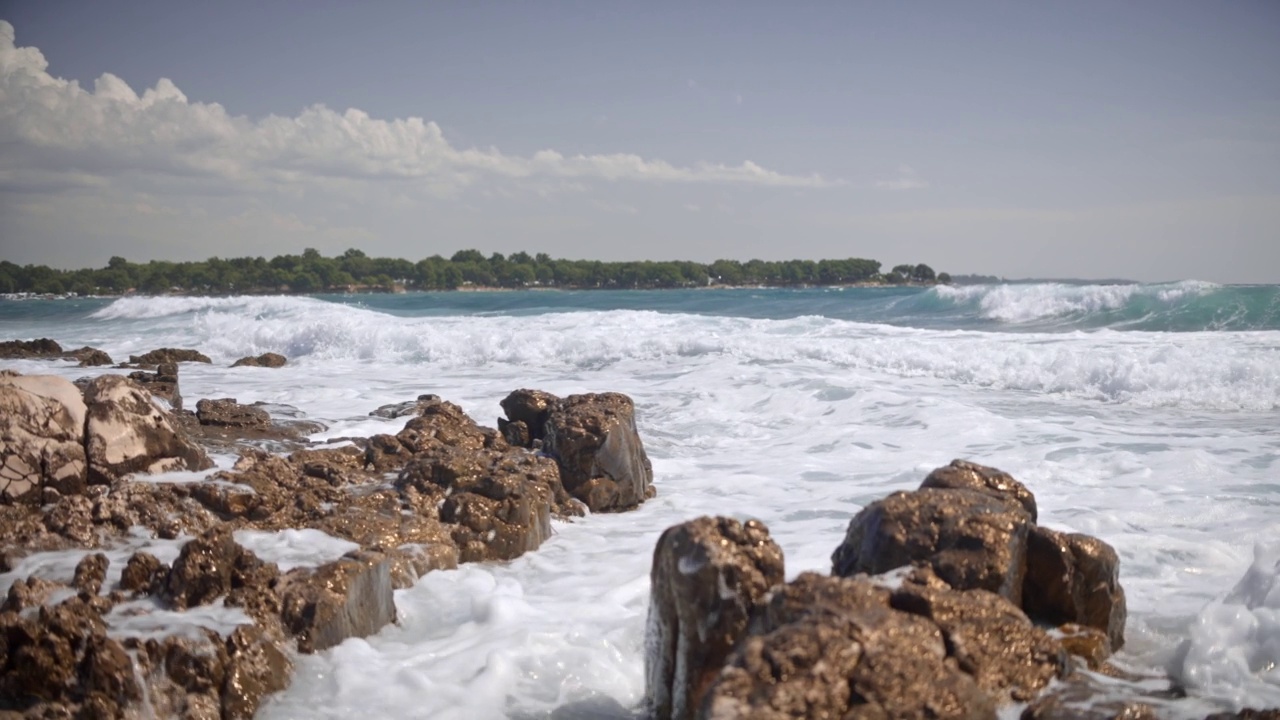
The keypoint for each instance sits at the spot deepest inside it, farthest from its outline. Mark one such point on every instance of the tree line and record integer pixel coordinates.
(353, 270)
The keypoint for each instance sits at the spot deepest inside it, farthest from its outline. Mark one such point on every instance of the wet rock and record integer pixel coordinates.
(602, 461)
(42, 421)
(440, 426)
(832, 647)
(708, 577)
(203, 569)
(1087, 696)
(27, 349)
(127, 433)
(169, 355)
(90, 573)
(351, 597)
(143, 574)
(163, 383)
(406, 408)
(255, 668)
(228, 500)
(516, 433)
(972, 539)
(962, 474)
(267, 360)
(385, 453)
(529, 408)
(226, 412)
(989, 637)
(1074, 578)
(31, 592)
(88, 357)
(1089, 644)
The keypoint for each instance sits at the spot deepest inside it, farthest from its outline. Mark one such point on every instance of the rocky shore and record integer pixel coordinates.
(137, 581)
(202, 626)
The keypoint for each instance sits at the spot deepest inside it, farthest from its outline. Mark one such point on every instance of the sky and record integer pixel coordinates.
(1136, 139)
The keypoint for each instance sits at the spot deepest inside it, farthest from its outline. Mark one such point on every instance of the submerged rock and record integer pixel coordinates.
(708, 577)
(267, 360)
(406, 408)
(42, 423)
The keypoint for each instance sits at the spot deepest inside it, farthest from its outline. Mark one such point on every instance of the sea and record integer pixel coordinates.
(1146, 415)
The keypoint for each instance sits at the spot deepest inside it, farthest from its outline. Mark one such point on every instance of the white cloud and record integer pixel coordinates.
(907, 180)
(58, 134)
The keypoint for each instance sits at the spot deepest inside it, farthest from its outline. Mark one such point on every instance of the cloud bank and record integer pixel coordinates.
(58, 134)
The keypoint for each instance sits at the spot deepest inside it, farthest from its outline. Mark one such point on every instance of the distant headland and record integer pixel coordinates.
(354, 271)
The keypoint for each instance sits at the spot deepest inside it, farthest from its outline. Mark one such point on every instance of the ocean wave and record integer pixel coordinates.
(1173, 306)
(150, 308)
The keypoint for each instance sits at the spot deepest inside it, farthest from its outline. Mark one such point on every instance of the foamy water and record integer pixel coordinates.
(785, 410)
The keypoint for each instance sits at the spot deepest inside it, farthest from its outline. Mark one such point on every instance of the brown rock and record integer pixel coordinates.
(25, 349)
(602, 461)
(441, 425)
(126, 433)
(1086, 643)
(226, 412)
(42, 421)
(90, 573)
(1074, 578)
(989, 637)
(529, 408)
(351, 597)
(203, 569)
(407, 408)
(842, 653)
(971, 539)
(143, 574)
(163, 383)
(89, 357)
(708, 577)
(255, 668)
(169, 355)
(31, 592)
(267, 360)
(962, 474)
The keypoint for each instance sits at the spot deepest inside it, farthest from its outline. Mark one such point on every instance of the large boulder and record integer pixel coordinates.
(126, 433)
(42, 422)
(602, 461)
(972, 539)
(351, 597)
(709, 575)
(1074, 578)
(833, 647)
(963, 474)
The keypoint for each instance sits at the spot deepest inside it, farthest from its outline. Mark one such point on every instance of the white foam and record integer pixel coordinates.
(1023, 303)
(146, 619)
(291, 549)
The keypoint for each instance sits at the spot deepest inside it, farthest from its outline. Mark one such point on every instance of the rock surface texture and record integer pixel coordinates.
(441, 491)
(931, 612)
(266, 360)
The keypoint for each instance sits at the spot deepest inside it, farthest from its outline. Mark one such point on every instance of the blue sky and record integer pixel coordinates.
(1089, 139)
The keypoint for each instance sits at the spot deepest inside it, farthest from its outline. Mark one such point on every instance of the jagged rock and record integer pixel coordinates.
(143, 574)
(169, 355)
(202, 571)
(1074, 578)
(229, 500)
(385, 453)
(25, 349)
(163, 383)
(833, 647)
(42, 420)
(442, 425)
(31, 592)
(406, 408)
(500, 503)
(962, 474)
(989, 637)
(708, 576)
(255, 668)
(90, 573)
(88, 357)
(127, 433)
(972, 539)
(267, 360)
(351, 597)
(529, 408)
(602, 461)
(226, 412)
